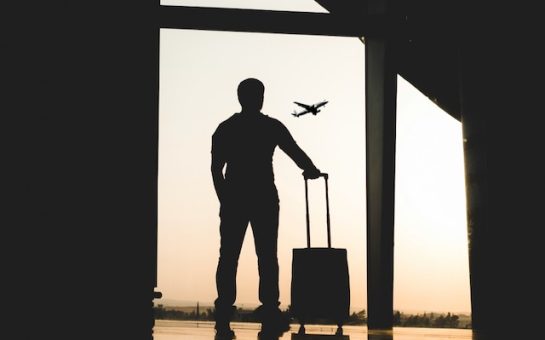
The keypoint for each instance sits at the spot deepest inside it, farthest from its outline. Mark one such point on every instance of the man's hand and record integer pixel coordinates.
(312, 173)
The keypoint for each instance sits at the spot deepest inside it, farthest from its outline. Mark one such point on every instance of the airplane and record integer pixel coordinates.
(314, 108)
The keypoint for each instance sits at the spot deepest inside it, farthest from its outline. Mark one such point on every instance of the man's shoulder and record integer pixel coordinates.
(233, 118)
(228, 122)
(273, 121)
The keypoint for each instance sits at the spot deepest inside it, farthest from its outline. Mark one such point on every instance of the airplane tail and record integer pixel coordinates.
(295, 114)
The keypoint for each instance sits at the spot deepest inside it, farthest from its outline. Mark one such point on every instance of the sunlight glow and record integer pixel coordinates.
(199, 73)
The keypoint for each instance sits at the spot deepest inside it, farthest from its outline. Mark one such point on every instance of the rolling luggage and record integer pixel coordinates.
(320, 289)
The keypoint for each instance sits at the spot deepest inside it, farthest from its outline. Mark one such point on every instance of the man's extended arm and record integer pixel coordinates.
(290, 147)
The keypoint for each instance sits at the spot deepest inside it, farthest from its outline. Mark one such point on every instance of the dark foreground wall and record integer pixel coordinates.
(504, 180)
(80, 101)
(82, 83)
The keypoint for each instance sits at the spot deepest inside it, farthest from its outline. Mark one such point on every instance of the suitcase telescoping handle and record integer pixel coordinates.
(325, 176)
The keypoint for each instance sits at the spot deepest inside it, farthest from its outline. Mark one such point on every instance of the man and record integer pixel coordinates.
(245, 144)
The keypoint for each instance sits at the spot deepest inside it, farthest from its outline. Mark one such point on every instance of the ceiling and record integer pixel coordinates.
(425, 44)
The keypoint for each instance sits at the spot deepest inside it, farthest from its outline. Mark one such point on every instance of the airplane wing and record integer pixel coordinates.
(321, 104)
(307, 107)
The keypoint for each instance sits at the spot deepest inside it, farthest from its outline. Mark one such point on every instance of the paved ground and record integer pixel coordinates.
(192, 330)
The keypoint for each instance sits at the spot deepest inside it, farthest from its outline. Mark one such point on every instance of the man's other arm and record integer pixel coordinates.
(290, 147)
(218, 162)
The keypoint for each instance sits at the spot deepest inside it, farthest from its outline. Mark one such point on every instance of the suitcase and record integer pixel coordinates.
(320, 289)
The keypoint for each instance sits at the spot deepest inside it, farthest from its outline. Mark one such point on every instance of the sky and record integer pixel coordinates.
(199, 74)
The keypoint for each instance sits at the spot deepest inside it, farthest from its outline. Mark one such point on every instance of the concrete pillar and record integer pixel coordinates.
(380, 91)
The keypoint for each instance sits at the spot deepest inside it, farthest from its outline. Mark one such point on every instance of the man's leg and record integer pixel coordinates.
(232, 229)
(265, 229)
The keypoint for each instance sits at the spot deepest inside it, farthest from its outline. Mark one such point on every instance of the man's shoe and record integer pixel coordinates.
(276, 325)
(223, 316)
(224, 334)
(267, 336)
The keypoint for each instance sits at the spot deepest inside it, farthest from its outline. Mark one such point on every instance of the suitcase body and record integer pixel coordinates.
(320, 289)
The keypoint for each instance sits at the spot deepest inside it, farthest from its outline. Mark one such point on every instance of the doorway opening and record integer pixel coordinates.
(199, 74)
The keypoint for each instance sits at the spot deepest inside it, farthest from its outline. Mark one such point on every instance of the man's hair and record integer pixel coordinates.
(250, 93)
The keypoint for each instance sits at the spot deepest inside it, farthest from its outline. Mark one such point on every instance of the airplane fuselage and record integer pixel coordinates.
(314, 109)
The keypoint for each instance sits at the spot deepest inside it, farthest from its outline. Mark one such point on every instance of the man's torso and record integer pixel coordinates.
(247, 143)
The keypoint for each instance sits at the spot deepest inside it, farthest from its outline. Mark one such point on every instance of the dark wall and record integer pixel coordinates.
(82, 83)
(504, 172)
(81, 158)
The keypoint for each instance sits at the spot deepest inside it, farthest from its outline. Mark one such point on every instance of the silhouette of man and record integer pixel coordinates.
(245, 144)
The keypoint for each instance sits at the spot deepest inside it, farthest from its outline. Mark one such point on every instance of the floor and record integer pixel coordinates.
(203, 330)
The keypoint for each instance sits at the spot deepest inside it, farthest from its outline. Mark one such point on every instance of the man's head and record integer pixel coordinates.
(250, 94)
